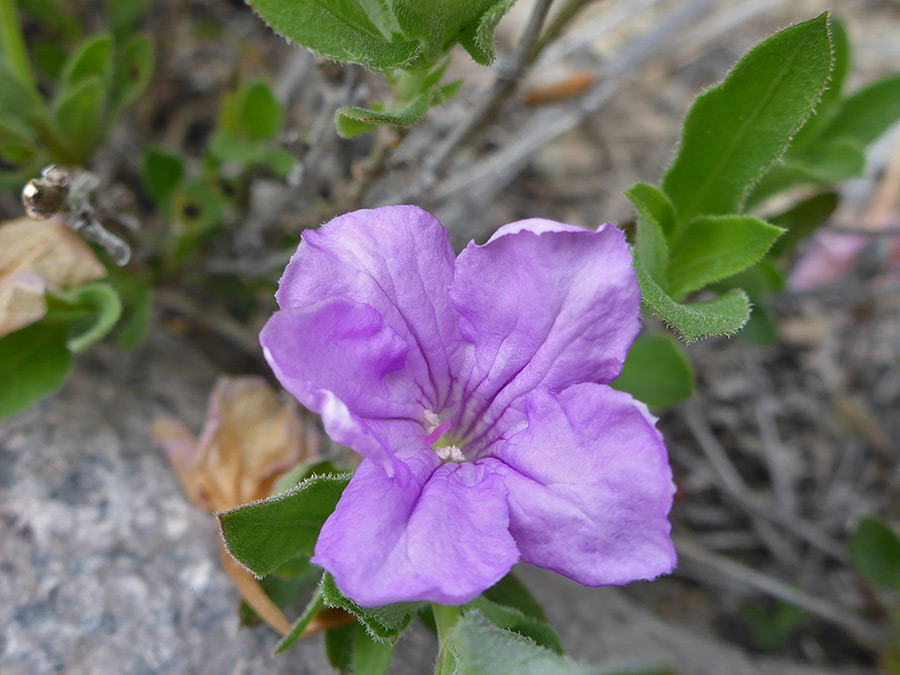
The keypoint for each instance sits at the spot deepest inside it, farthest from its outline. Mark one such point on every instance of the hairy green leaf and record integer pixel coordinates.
(716, 247)
(352, 121)
(657, 372)
(736, 130)
(510, 618)
(386, 623)
(474, 646)
(477, 37)
(263, 535)
(656, 217)
(512, 592)
(724, 315)
(337, 29)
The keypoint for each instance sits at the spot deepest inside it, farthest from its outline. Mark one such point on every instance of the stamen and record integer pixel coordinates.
(450, 452)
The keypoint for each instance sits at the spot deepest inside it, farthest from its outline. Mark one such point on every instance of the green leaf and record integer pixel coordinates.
(656, 217)
(350, 649)
(315, 604)
(474, 646)
(161, 172)
(301, 472)
(761, 328)
(261, 114)
(510, 591)
(840, 47)
(771, 629)
(724, 315)
(265, 534)
(102, 306)
(510, 618)
(123, 14)
(657, 372)
(826, 107)
(226, 147)
(19, 105)
(352, 121)
(840, 161)
(801, 220)
(94, 59)
(736, 130)
(133, 71)
(337, 29)
(78, 114)
(716, 247)
(387, 622)
(34, 362)
(477, 37)
(867, 114)
(370, 656)
(339, 645)
(875, 551)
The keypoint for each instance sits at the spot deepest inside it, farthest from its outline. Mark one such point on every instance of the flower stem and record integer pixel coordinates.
(445, 617)
(13, 44)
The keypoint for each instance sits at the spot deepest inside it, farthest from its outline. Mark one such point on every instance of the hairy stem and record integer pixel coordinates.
(13, 43)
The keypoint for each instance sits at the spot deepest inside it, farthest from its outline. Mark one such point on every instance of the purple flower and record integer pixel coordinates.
(476, 389)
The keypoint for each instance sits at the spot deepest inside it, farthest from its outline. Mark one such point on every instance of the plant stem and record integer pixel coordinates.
(508, 75)
(559, 21)
(13, 43)
(445, 617)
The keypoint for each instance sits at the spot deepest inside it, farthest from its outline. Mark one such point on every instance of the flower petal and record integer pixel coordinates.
(546, 305)
(590, 487)
(338, 358)
(399, 260)
(441, 537)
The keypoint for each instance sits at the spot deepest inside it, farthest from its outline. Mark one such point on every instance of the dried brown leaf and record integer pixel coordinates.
(36, 256)
(249, 439)
(254, 595)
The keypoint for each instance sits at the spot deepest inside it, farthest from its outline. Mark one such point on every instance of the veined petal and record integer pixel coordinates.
(340, 359)
(590, 487)
(398, 260)
(545, 305)
(442, 537)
